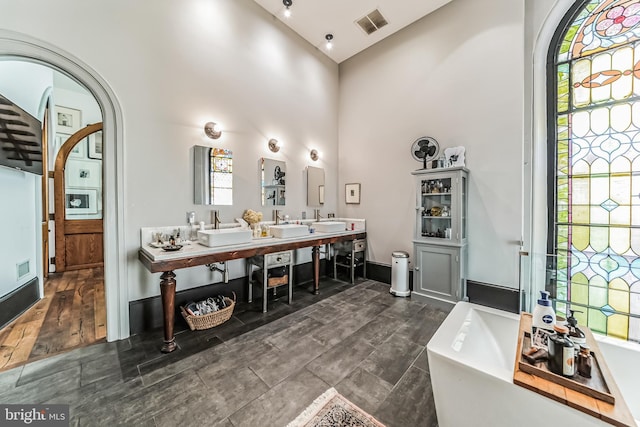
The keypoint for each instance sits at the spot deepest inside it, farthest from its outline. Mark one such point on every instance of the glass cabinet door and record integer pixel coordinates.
(436, 208)
(441, 214)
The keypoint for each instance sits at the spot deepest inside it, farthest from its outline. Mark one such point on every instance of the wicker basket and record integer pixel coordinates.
(210, 320)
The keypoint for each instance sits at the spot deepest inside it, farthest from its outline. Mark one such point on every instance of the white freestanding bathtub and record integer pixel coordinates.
(471, 361)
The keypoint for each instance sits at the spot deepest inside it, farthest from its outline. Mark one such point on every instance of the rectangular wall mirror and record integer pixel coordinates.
(315, 186)
(213, 176)
(272, 173)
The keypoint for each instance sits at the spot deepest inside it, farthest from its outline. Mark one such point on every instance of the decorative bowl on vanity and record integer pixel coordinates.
(329, 226)
(224, 237)
(286, 231)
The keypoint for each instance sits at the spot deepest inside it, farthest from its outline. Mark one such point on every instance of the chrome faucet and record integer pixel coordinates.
(277, 217)
(215, 219)
(316, 214)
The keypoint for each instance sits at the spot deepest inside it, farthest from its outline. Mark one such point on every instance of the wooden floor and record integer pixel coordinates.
(72, 314)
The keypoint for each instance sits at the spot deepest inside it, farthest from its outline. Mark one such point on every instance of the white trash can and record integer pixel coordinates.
(400, 274)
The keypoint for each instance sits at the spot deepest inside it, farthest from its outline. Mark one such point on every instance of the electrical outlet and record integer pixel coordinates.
(191, 217)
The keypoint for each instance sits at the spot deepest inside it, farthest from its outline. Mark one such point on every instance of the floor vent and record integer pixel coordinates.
(23, 269)
(372, 22)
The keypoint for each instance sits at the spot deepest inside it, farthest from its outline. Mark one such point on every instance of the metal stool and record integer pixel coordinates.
(265, 263)
(348, 250)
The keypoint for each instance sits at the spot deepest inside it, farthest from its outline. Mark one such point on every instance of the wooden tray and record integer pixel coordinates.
(553, 387)
(596, 386)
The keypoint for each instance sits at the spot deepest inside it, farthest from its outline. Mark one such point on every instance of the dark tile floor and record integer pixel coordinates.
(258, 369)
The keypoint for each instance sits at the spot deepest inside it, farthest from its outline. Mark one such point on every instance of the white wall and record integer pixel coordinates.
(177, 65)
(19, 213)
(20, 194)
(455, 75)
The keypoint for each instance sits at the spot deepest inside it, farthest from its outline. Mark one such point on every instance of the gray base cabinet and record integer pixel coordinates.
(440, 272)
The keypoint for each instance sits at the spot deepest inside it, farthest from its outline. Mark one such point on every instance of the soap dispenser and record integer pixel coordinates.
(543, 315)
(577, 336)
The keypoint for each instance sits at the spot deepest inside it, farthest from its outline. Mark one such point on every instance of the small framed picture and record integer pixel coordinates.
(68, 120)
(80, 201)
(85, 174)
(455, 156)
(352, 193)
(78, 151)
(95, 145)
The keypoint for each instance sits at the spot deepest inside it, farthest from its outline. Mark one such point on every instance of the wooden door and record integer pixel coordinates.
(44, 223)
(78, 241)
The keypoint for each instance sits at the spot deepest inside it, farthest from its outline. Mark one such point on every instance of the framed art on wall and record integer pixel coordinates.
(83, 174)
(95, 145)
(78, 151)
(352, 193)
(68, 120)
(79, 201)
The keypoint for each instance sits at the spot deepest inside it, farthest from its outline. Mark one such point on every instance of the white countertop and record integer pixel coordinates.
(194, 248)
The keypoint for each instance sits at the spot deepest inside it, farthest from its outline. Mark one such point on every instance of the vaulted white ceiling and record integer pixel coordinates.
(313, 19)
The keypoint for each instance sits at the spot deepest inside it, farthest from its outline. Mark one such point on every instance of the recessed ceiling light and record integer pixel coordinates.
(329, 38)
(287, 4)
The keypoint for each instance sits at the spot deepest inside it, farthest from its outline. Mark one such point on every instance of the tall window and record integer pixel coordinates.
(594, 165)
(221, 176)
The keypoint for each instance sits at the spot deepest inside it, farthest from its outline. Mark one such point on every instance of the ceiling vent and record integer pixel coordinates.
(372, 22)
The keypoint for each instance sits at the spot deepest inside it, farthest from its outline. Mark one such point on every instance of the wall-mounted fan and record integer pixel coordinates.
(425, 149)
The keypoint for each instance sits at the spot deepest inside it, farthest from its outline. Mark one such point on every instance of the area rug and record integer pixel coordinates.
(332, 409)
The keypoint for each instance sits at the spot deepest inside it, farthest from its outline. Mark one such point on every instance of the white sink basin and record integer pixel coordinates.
(224, 237)
(286, 231)
(329, 226)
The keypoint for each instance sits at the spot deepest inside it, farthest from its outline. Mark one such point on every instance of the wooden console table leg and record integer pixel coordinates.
(315, 252)
(168, 292)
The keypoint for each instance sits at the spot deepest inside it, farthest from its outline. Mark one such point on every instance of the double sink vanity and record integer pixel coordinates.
(219, 243)
(231, 242)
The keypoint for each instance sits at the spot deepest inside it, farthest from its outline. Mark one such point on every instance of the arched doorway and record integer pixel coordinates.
(78, 201)
(19, 46)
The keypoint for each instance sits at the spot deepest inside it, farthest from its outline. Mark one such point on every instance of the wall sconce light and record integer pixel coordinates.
(314, 155)
(329, 38)
(274, 145)
(212, 130)
(287, 4)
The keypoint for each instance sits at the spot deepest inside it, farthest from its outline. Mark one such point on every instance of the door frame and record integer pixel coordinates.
(59, 191)
(19, 46)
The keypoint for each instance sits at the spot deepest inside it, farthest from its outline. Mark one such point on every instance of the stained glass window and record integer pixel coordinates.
(222, 176)
(594, 173)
